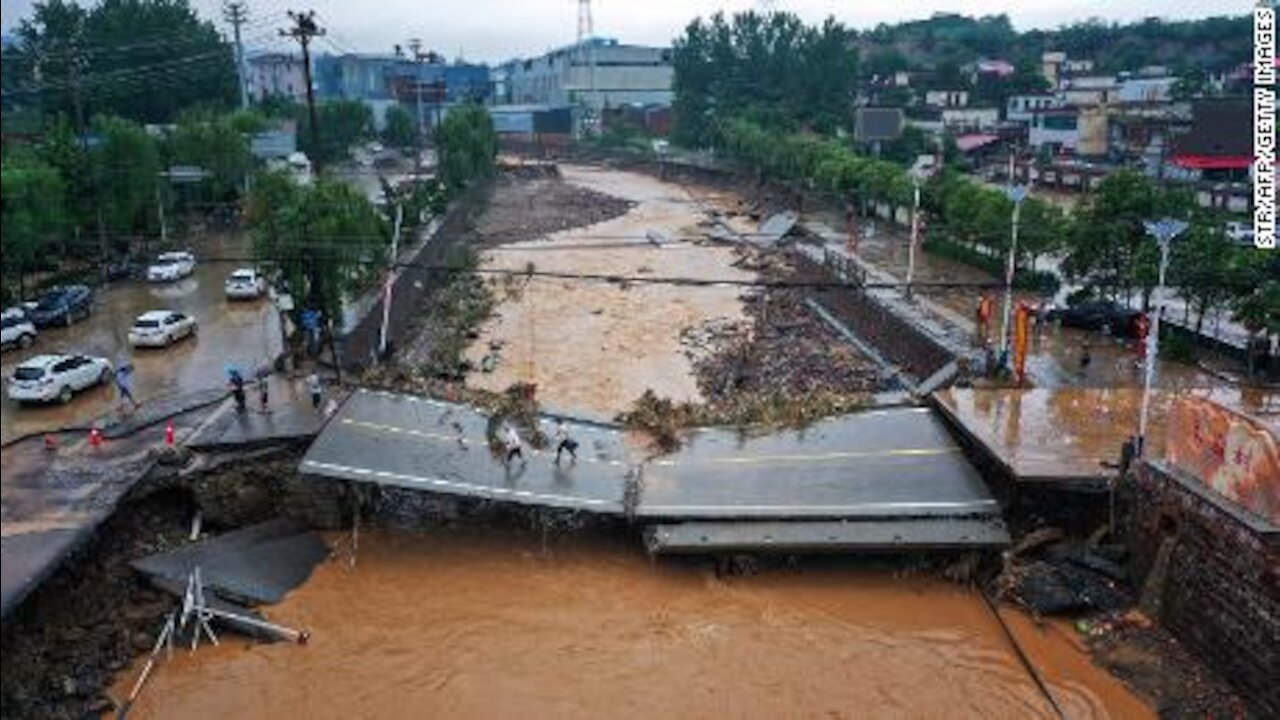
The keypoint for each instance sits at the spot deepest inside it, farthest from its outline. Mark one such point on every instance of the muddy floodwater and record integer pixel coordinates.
(498, 624)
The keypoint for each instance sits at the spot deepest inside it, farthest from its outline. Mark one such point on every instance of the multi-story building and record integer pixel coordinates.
(596, 74)
(275, 74)
(1021, 108)
(1090, 91)
(946, 98)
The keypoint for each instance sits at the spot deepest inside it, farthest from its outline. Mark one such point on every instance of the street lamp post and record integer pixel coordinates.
(1164, 231)
(1017, 193)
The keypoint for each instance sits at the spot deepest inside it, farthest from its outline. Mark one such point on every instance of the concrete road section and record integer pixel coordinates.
(428, 445)
(882, 463)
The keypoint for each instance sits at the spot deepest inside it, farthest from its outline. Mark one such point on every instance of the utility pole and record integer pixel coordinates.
(236, 13)
(415, 45)
(303, 30)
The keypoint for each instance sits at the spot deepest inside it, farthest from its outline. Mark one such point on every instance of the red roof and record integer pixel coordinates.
(1213, 162)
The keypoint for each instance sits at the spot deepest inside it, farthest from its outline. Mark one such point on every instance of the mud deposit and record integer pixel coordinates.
(595, 346)
(495, 623)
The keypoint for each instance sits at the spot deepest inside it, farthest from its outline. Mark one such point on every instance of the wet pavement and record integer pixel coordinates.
(239, 334)
(1068, 433)
(491, 622)
(51, 502)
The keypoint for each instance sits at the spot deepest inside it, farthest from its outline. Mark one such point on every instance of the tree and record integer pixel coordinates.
(326, 240)
(126, 167)
(140, 59)
(399, 131)
(218, 143)
(343, 123)
(467, 146)
(32, 196)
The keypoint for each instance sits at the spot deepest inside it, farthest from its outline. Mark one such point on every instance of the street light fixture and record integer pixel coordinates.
(1164, 231)
(1017, 193)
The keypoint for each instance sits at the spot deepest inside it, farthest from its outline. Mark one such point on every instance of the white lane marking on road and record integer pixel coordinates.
(395, 430)
(860, 507)
(483, 490)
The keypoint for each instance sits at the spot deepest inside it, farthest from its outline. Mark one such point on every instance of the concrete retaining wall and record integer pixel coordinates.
(1220, 590)
(357, 348)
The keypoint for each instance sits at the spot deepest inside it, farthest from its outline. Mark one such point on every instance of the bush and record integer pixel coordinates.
(1041, 282)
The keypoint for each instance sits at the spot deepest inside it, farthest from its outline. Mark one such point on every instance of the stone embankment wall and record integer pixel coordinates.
(1215, 584)
(357, 348)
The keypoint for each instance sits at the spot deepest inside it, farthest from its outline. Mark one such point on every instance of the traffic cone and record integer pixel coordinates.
(168, 434)
(95, 438)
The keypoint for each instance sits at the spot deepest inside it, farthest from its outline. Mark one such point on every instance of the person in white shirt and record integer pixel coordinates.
(564, 442)
(512, 441)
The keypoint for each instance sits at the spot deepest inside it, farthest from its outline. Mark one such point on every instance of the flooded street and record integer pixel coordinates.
(489, 623)
(244, 334)
(595, 346)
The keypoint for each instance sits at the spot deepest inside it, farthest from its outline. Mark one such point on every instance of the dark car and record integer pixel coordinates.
(123, 268)
(62, 305)
(1097, 314)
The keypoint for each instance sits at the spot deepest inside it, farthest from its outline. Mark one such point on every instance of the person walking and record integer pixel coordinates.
(264, 395)
(564, 442)
(237, 390)
(124, 384)
(316, 389)
(512, 442)
(1086, 357)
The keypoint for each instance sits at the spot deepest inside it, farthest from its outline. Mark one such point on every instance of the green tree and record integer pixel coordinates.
(126, 167)
(325, 240)
(140, 59)
(399, 131)
(218, 143)
(467, 146)
(343, 123)
(32, 197)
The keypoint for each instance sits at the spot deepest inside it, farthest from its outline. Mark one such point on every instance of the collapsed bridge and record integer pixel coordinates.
(884, 479)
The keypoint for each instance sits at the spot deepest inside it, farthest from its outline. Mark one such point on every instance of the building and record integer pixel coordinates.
(1090, 91)
(979, 69)
(1146, 90)
(1021, 108)
(275, 75)
(355, 76)
(1055, 129)
(946, 98)
(1220, 142)
(597, 74)
(967, 119)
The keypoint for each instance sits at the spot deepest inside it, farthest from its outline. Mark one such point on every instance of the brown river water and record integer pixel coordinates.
(497, 623)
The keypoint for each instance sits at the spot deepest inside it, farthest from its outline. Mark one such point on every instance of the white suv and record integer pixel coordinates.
(245, 284)
(57, 377)
(171, 266)
(160, 328)
(16, 330)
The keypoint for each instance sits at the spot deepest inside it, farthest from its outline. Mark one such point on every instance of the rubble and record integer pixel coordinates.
(526, 206)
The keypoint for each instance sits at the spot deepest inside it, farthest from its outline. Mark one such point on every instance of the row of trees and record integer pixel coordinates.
(145, 60)
(770, 68)
(1103, 245)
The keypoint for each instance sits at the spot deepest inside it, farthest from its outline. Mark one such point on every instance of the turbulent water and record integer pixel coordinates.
(501, 624)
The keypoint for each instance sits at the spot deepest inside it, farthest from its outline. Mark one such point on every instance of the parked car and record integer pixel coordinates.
(160, 328)
(171, 266)
(245, 284)
(57, 377)
(122, 268)
(62, 305)
(16, 330)
(1239, 233)
(1096, 314)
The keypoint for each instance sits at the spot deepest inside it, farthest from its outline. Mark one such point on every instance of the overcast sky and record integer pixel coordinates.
(501, 29)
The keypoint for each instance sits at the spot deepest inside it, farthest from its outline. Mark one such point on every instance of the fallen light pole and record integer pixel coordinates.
(1164, 231)
(1017, 193)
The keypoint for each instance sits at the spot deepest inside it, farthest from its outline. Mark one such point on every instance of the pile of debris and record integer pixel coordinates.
(1050, 575)
(523, 208)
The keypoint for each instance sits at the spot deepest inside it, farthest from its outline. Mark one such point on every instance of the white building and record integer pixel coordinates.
(599, 73)
(946, 98)
(1021, 108)
(275, 74)
(1147, 90)
(1091, 91)
(966, 119)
